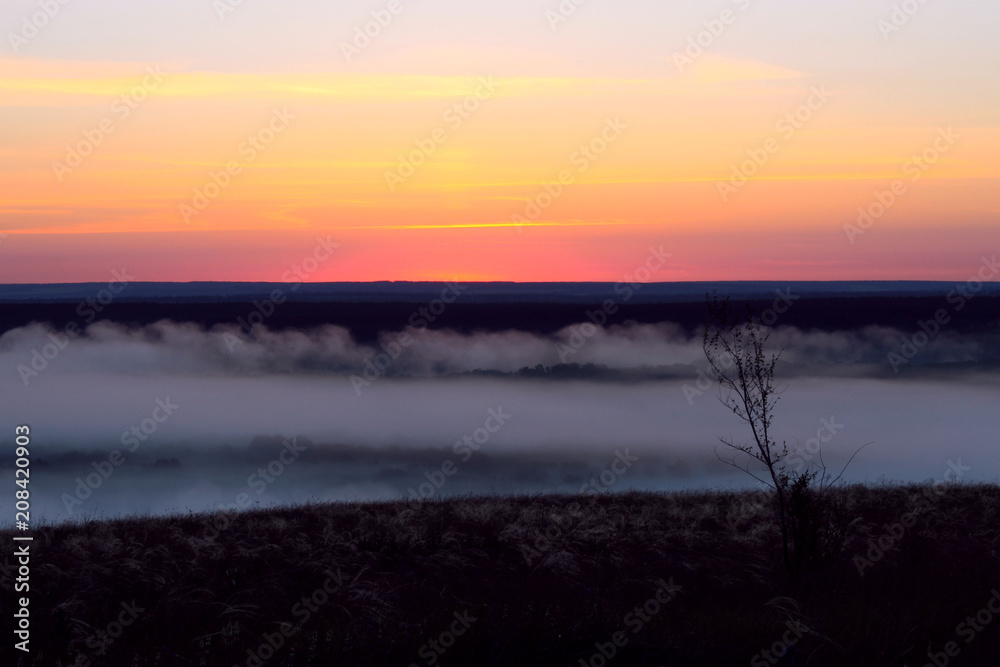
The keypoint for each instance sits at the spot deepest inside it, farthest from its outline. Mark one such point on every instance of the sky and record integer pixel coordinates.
(529, 140)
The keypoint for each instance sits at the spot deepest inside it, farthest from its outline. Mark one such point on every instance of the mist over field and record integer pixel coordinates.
(173, 416)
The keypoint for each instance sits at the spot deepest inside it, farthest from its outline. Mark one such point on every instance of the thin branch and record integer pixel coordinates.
(856, 452)
(732, 462)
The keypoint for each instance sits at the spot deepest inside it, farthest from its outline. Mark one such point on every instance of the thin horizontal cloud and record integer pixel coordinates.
(531, 223)
(713, 68)
(32, 81)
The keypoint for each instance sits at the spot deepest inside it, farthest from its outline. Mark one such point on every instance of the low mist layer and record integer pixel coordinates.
(174, 417)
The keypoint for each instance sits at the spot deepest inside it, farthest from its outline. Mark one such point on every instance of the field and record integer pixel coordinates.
(628, 579)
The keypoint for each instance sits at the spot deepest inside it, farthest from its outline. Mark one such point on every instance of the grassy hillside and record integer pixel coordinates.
(629, 579)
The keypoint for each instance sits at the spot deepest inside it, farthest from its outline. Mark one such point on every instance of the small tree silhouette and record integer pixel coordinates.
(734, 348)
(739, 362)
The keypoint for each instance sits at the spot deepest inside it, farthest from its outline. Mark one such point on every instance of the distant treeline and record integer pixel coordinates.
(366, 320)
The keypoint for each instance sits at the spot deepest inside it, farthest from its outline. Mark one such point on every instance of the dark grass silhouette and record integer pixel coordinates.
(546, 579)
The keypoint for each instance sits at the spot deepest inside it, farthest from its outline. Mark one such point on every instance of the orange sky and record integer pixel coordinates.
(745, 165)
